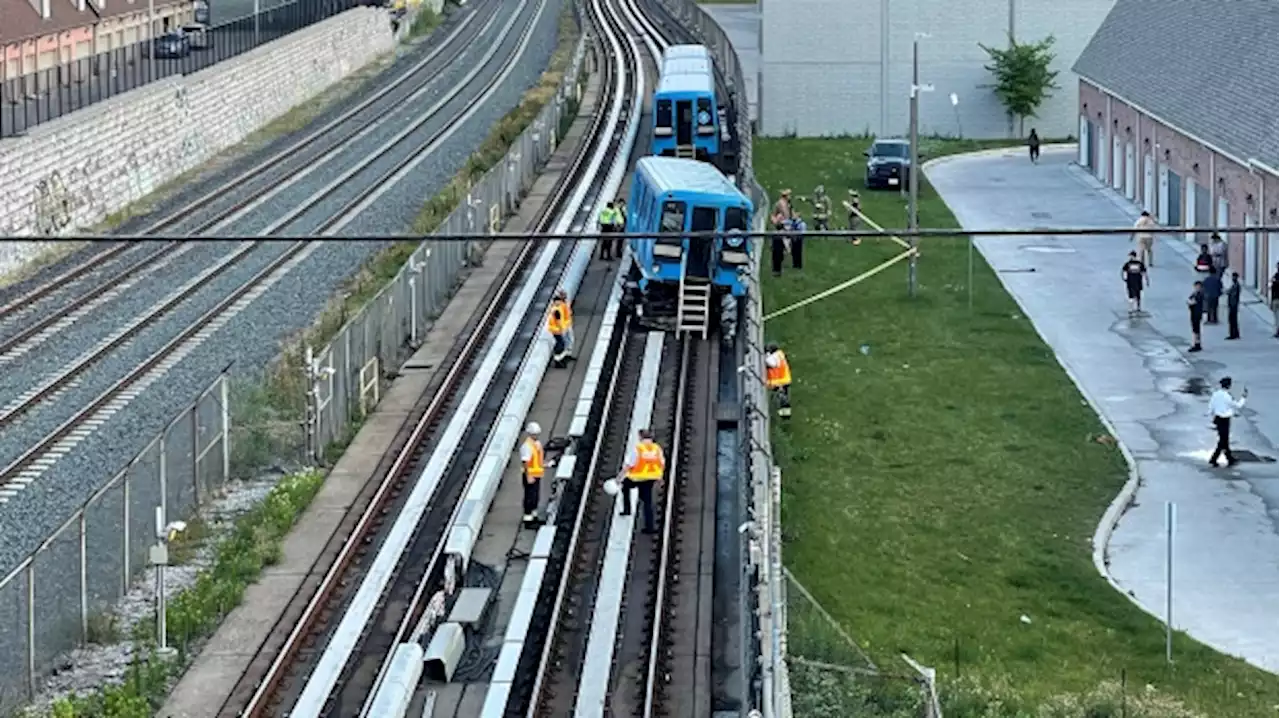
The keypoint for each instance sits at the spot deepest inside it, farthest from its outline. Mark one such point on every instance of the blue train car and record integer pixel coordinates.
(671, 194)
(686, 116)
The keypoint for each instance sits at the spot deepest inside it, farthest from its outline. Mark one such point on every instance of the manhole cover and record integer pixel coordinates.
(1246, 455)
(1042, 215)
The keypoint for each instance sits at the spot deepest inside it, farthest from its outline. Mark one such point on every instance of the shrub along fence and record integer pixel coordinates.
(47, 602)
(346, 376)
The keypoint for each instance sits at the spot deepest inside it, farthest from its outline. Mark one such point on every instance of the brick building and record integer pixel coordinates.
(37, 35)
(1179, 109)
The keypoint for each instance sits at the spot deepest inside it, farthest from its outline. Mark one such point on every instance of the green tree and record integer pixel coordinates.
(1023, 78)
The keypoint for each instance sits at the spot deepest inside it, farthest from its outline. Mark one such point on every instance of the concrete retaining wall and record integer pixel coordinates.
(74, 171)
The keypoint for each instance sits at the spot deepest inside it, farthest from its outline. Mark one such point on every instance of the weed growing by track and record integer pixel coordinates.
(424, 22)
(240, 556)
(942, 478)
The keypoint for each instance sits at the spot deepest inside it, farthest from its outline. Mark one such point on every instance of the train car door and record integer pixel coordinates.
(684, 128)
(701, 248)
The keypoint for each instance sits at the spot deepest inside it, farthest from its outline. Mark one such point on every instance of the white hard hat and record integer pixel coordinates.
(533, 428)
(611, 487)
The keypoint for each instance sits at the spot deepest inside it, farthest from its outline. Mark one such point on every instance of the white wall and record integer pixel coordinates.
(833, 67)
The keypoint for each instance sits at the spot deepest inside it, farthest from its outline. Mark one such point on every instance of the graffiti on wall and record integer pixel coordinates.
(57, 197)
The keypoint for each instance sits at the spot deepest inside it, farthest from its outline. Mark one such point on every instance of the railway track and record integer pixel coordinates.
(53, 408)
(374, 593)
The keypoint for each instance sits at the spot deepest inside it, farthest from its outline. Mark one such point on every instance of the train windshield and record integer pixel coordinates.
(735, 218)
(672, 221)
(704, 219)
(662, 115)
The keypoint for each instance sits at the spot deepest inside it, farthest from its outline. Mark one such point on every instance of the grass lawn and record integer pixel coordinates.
(947, 482)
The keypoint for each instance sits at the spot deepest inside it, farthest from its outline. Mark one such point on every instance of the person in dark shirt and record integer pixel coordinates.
(1195, 309)
(1033, 145)
(1275, 302)
(1204, 261)
(1134, 274)
(1212, 287)
(1233, 307)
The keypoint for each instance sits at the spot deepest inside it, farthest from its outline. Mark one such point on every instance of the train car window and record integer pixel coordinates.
(704, 219)
(672, 217)
(662, 115)
(735, 218)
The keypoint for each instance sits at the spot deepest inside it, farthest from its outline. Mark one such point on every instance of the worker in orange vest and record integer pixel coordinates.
(534, 460)
(645, 465)
(560, 324)
(778, 378)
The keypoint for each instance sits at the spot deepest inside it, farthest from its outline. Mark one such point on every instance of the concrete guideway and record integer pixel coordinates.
(214, 674)
(1151, 394)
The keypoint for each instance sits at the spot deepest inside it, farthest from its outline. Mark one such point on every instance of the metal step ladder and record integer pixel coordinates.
(693, 313)
(686, 152)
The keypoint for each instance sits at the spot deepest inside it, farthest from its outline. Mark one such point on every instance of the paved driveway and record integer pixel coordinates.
(1138, 376)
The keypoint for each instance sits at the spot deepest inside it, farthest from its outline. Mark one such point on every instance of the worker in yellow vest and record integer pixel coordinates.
(608, 221)
(560, 324)
(534, 461)
(645, 465)
(778, 378)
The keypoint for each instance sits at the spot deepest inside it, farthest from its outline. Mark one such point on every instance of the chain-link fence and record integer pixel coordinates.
(347, 375)
(47, 603)
(38, 90)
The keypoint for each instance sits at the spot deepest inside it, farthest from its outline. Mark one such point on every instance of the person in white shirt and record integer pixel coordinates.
(1223, 406)
(1144, 235)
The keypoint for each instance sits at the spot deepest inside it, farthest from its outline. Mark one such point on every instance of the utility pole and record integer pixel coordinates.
(913, 180)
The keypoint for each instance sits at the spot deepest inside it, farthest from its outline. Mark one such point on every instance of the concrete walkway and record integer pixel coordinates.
(1150, 392)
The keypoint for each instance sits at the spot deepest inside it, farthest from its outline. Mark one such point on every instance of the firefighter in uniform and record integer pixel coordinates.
(645, 466)
(531, 455)
(821, 209)
(608, 222)
(853, 206)
(560, 324)
(778, 378)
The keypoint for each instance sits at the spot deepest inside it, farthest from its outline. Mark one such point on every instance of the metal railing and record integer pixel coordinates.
(34, 98)
(345, 377)
(50, 601)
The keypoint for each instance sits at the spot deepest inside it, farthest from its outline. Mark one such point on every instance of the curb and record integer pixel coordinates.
(1116, 509)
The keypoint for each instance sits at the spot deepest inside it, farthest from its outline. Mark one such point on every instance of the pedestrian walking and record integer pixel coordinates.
(1233, 307)
(1144, 236)
(778, 378)
(607, 228)
(534, 461)
(620, 226)
(1212, 287)
(644, 466)
(854, 206)
(1218, 253)
(1033, 145)
(1134, 274)
(560, 324)
(1275, 302)
(1222, 407)
(1195, 309)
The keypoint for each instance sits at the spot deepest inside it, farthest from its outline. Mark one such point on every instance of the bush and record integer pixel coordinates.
(193, 614)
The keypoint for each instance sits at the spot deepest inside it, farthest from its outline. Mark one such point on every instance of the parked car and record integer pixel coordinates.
(172, 46)
(888, 163)
(197, 36)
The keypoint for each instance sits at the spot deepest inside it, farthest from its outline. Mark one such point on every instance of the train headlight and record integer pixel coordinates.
(734, 241)
(704, 118)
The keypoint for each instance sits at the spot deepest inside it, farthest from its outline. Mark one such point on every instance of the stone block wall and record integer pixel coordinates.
(74, 171)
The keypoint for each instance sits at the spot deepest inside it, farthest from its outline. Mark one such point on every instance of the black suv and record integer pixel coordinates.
(888, 164)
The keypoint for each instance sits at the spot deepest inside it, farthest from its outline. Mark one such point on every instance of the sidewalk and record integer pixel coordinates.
(1151, 393)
